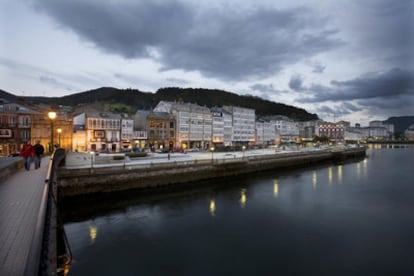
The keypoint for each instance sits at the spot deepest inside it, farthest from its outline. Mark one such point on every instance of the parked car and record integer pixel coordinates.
(14, 154)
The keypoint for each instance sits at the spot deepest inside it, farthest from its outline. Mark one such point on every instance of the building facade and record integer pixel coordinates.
(193, 124)
(15, 127)
(243, 124)
(97, 132)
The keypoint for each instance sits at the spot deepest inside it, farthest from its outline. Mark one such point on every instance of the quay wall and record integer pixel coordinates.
(74, 182)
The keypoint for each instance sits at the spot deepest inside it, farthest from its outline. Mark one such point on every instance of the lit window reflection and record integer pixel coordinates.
(93, 231)
(243, 198)
(365, 166)
(340, 174)
(330, 175)
(314, 179)
(275, 188)
(212, 207)
(358, 168)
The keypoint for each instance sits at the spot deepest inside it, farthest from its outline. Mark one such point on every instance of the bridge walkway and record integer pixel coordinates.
(20, 200)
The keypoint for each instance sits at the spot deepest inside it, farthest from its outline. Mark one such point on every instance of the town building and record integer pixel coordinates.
(265, 133)
(160, 128)
(380, 130)
(243, 124)
(409, 133)
(15, 127)
(287, 130)
(97, 132)
(193, 124)
(335, 132)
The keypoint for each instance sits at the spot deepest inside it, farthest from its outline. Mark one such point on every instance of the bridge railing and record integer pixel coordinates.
(43, 254)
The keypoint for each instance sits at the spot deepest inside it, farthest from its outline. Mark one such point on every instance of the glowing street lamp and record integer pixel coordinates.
(59, 131)
(212, 153)
(52, 117)
(244, 149)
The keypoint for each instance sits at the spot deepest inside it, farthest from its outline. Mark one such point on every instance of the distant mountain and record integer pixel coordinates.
(400, 123)
(145, 100)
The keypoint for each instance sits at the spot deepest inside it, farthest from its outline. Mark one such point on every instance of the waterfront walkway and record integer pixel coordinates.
(20, 199)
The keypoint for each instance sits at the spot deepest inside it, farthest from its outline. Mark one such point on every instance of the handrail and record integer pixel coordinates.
(37, 261)
(34, 257)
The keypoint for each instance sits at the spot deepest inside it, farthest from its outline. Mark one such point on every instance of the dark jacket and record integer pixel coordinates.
(39, 149)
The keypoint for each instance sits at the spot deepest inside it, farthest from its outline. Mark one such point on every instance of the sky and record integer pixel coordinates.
(343, 60)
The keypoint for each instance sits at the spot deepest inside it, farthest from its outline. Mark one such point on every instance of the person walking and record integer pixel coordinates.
(27, 153)
(38, 151)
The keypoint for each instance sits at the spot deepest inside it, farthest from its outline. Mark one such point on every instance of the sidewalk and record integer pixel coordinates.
(20, 197)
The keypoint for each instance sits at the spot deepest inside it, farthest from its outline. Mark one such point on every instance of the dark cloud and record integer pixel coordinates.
(296, 83)
(384, 85)
(384, 93)
(384, 29)
(227, 44)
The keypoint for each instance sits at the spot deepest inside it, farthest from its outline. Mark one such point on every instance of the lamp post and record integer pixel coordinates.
(212, 154)
(52, 117)
(244, 148)
(59, 131)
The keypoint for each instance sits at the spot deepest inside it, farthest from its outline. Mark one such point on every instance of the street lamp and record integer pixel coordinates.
(212, 153)
(52, 117)
(59, 131)
(244, 148)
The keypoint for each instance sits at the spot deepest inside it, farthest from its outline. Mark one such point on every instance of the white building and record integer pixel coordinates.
(380, 130)
(286, 128)
(244, 125)
(194, 124)
(99, 132)
(217, 126)
(409, 133)
(265, 133)
(127, 133)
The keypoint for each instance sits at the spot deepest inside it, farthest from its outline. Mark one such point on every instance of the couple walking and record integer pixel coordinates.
(28, 152)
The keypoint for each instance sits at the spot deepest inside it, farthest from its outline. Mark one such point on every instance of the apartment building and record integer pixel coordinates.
(97, 131)
(243, 124)
(265, 133)
(286, 129)
(15, 127)
(193, 124)
(160, 126)
(334, 131)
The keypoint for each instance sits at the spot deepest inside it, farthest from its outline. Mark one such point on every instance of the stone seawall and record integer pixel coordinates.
(73, 182)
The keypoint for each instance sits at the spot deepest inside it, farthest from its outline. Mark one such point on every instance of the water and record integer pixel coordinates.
(345, 219)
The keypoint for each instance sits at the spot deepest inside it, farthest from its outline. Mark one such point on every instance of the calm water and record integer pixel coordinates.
(350, 219)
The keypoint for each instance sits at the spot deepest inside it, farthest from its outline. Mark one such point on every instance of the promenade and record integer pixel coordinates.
(20, 199)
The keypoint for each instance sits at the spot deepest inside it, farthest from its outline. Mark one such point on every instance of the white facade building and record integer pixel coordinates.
(265, 133)
(127, 133)
(194, 124)
(99, 132)
(286, 128)
(244, 125)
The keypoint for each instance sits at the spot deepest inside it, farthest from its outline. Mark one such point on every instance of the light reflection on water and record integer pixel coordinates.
(351, 218)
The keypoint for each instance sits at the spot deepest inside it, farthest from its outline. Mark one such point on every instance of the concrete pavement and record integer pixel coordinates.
(20, 198)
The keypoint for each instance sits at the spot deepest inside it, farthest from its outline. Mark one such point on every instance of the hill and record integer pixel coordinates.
(400, 123)
(205, 97)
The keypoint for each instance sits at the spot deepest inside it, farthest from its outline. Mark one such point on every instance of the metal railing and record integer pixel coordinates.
(41, 255)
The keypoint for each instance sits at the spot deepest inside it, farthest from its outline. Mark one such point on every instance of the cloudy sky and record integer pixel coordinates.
(342, 59)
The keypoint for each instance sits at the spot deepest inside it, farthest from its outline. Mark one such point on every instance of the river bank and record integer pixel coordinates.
(91, 176)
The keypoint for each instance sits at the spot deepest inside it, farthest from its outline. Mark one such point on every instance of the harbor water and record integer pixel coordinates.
(353, 218)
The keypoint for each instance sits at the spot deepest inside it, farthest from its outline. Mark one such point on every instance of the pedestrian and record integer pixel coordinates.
(27, 153)
(38, 150)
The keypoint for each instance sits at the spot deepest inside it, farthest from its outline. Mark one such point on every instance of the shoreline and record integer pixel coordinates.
(160, 171)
